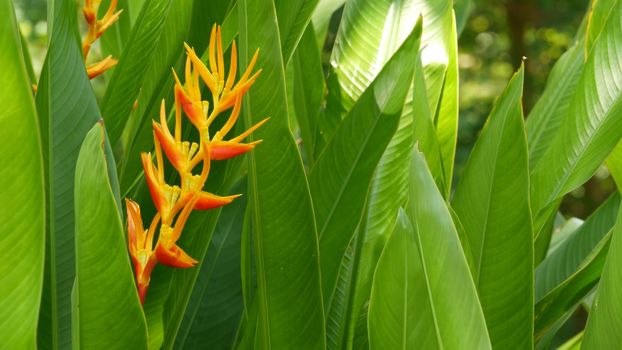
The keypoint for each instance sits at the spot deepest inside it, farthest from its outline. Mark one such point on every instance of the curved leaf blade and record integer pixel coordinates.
(592, 130)
(604, 323)
(342, 174)
(289, 299)
(109, 314)
(447, 311)
(492, 202)
(22, 196)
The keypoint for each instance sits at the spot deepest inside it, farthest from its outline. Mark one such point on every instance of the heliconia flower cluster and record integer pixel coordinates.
(96, 28)
(174, 203)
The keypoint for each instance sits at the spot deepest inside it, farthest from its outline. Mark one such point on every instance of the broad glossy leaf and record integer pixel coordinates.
(492, 202)
(216, 304)
(109, 314)
(604, 324)
(293, 17)
(384, 198)
(308, 89)
(614, 164)
(321, 18)
(129, 74)
(551, 109)
(592, 130)
(289, 299)
(423, 277)
(572, 269)
(67, 110)
(597, 19)
(22, 196)
(342, 174)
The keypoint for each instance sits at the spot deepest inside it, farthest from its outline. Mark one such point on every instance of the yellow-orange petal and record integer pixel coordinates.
(135, 228)
(208, 200)
(174, 256)
(221, 150)
(100, 67)
(169, 146)
(154, 187)
(193, 112)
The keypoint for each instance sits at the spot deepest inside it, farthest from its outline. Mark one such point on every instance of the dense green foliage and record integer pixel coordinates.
(365, 223)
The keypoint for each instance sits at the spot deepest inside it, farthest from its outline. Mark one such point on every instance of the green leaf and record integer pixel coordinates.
(549, 112)
(293, 17)
(156, 85)
(321, 18)
(492, 202)
(308, 89)
(597, 19)
(216, 304)
(604, 324)
(289, 299)
(422, 294)
(614, 164)
(108, 310)
(67, 110)
(22, 196)
(129, 74)
(572, 269)
(462, 8)
(342, 174)
(592, 129)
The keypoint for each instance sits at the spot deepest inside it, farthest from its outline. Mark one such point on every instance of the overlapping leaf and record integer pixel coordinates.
(288, 298)
(107, 310)
(22, 196)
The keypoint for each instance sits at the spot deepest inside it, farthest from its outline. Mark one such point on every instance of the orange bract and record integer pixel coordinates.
(96, 28)
(174, 203)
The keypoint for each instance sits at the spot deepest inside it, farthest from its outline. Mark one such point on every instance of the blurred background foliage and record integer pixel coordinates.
(495, 38)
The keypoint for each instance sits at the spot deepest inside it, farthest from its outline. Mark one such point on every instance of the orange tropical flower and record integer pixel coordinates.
(175, 203)
(96, 28)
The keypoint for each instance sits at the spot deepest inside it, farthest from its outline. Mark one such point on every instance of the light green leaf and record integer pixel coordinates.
(67, 110)
(342, 174)
(293, 17)
(600, 10)
(129, 74)
(604, 323)
(549, 112)
(321, 18)
(425, 263)
(289, 299)
(592, 130)
(614, 164)
(462, 8)
(108, 310)
(22, 196)
(572, 269)
(492, 202)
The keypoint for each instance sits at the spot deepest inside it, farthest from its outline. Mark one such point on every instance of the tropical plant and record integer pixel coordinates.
(350, 232)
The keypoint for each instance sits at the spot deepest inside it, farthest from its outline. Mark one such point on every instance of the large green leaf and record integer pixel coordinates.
(572, 269)
(22, 196)
(342, 174)
(384, 199)
(614, 164)
(369, 33)
(67, 110)
(549, 112)
(321, 18)
(157, 85)
(308, 89)
(593, 127)
(423, 293)
(215, 307)
(293, 17)
(604, 324)
(600, 10)
(129, 74)
(289, 299)
(492, 202)
(109, 314)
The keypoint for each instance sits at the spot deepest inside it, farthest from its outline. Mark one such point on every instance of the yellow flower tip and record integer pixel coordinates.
(100, 67)
(208, 201)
